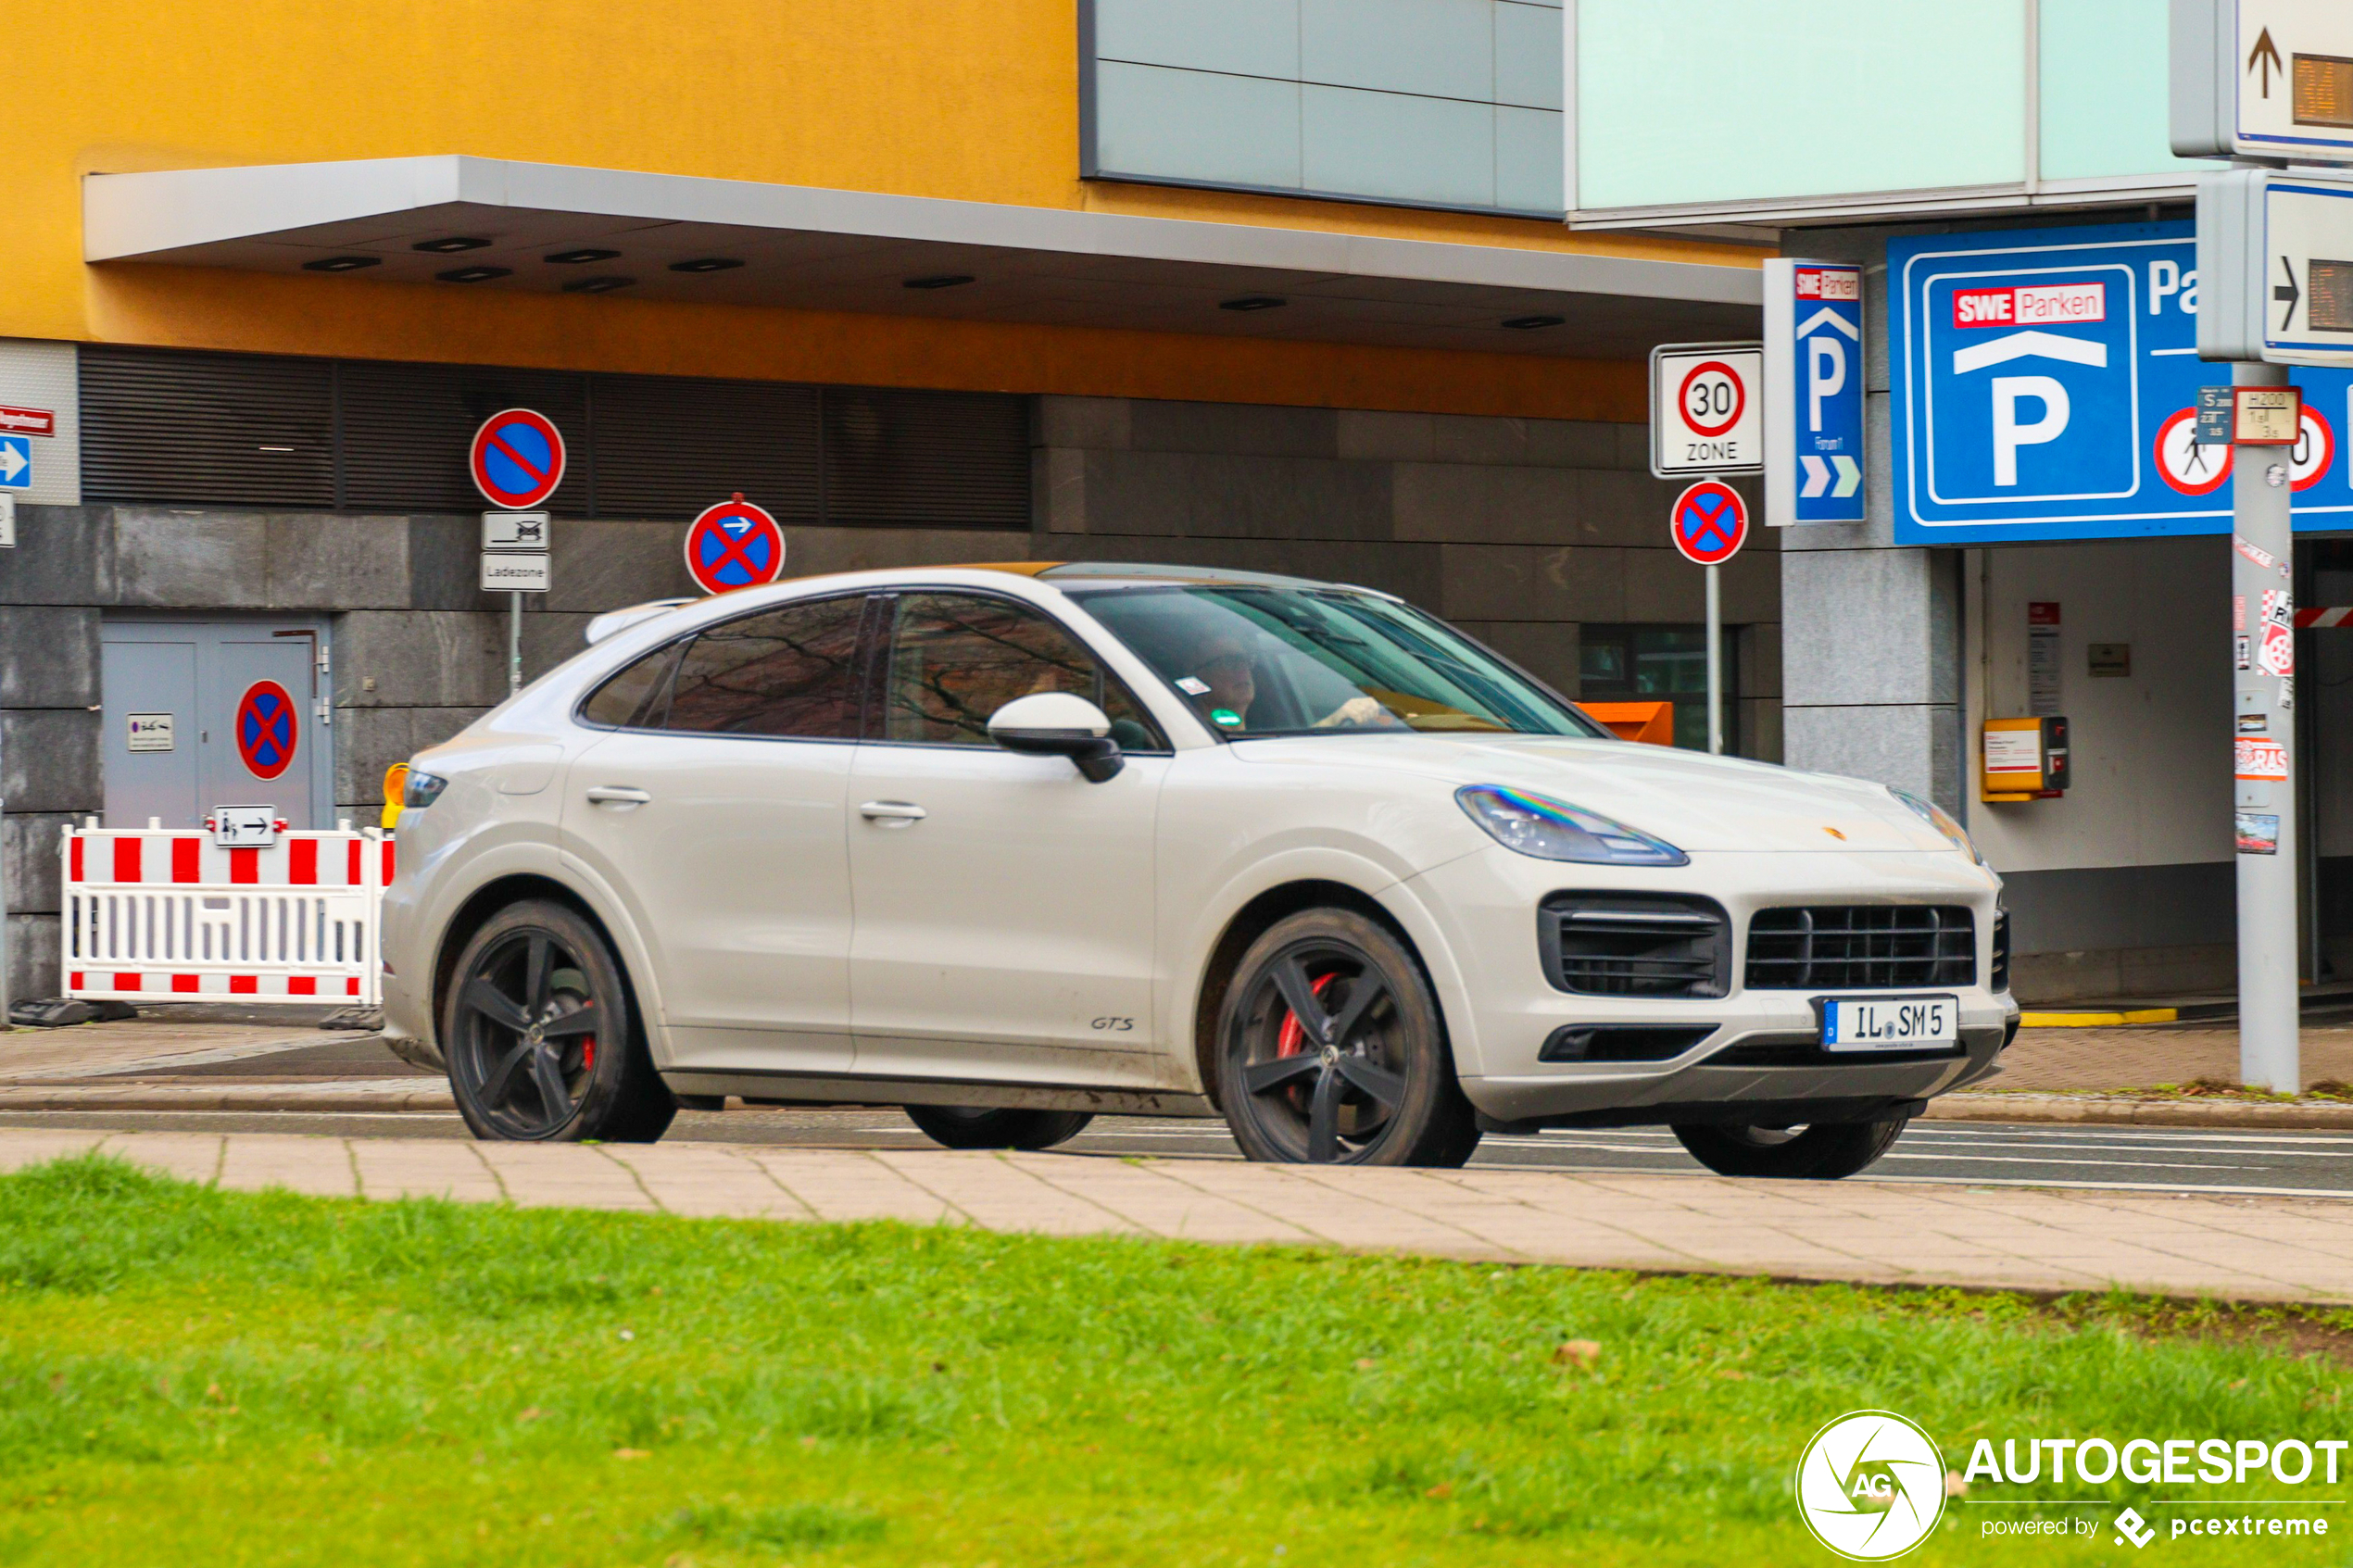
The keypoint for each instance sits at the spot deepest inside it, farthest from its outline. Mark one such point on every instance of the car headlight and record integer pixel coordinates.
(1553, 830)
(422, 790)
(1941, 821)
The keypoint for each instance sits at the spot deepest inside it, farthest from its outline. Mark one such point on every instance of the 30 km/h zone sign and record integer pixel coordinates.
(1710, 524)
(1706, 414)
(517, 459)
(735, 544)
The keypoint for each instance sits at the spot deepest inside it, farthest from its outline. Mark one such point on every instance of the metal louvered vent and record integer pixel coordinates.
(669, 447)
(407, 429)
(1634, 944)
(1861, 946)
(165, 425)
(175, 426)
(926, 459)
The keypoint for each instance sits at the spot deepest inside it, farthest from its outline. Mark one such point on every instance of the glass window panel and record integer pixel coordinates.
(635, 697)
(786, 673)
(1734, 100)
(956, 658)
(2103, 73)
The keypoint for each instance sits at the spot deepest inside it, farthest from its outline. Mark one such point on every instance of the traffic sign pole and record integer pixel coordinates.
(1715, 660)
(515, 642)
(2261, 557)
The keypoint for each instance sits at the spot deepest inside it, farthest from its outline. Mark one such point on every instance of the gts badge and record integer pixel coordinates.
(1115, 1025)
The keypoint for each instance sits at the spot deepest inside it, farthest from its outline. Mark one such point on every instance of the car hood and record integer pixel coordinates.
(1698, 803)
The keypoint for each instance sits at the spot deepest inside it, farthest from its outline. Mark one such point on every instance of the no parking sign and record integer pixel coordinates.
(735, 544)
(265, 730)
(1709, 523)
(517, 459)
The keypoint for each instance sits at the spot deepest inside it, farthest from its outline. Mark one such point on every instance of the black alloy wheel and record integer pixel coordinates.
(1824, 1153)
(1333, 1050)
(962, 1126)
(538, 1035)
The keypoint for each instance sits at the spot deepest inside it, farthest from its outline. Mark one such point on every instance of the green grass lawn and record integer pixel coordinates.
(192, 1377)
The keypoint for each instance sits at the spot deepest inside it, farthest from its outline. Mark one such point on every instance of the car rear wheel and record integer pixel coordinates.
(957, 1126)
(537, 1033)
(1819, 1153)
(1333, 1051)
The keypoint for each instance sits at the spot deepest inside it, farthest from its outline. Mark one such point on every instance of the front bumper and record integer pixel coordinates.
(1759, 1059)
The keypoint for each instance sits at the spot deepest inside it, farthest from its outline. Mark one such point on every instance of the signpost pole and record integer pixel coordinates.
(514, 643)
(2270, 1049)
(1715, 660)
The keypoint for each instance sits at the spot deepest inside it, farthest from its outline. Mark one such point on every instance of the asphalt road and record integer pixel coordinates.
(1980, 1154)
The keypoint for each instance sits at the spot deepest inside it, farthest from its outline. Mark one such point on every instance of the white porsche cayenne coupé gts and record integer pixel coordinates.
(1009, 846)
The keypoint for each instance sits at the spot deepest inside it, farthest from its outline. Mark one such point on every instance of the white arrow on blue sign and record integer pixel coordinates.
(1813, 392)
(16, 462)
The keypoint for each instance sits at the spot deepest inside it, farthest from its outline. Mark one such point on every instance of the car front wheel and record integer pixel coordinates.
(1333, 1051)
(537, 1034)
(1819, 1153)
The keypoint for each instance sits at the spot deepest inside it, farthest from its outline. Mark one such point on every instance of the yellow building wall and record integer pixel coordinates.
(969, 99)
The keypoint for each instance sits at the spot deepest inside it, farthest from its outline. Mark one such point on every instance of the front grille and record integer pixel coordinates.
(1861, 946)
(1997, 977)
(1635, 945)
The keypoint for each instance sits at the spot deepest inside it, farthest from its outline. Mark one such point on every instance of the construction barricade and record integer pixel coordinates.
(168, 915)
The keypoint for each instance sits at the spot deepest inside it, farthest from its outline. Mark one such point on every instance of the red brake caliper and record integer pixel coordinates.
(588, 1053)
(1293, 1038)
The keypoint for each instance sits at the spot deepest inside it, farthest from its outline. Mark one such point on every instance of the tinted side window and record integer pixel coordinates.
(956, 658)
(633, 699)
(785, 672)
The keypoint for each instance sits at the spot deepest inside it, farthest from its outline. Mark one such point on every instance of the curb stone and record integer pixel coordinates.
(428, 1097)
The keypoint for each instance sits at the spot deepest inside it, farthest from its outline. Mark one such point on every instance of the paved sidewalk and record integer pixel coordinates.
(2077, 1060)
(1881, 1233)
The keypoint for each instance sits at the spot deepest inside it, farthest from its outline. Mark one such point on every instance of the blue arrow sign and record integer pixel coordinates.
(1814, 407)
(16, 462)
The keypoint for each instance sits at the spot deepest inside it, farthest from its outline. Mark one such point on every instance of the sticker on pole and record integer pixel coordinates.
(2275, 655)
(517, 459)
(2259, 760)
(1710, 524)
(735, 544)
(266, 730)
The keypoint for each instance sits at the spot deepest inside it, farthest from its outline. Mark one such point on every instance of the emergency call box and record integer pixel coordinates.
(2022, 759)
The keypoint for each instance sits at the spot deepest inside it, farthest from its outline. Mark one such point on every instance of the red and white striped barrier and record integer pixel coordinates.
(168, 915)
(2339, 616)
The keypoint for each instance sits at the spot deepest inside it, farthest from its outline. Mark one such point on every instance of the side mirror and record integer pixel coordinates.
(1059, 724)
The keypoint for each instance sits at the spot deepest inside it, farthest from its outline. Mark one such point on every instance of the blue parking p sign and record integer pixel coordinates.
(2045, 385)
(1812, 392)
(16, 462)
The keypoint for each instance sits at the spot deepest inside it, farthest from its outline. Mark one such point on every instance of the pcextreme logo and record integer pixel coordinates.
(1870, 1485)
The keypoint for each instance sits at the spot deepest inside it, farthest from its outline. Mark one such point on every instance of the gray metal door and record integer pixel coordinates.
(225, 712)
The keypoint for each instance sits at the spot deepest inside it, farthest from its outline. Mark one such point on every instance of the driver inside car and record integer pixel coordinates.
(1222, 665)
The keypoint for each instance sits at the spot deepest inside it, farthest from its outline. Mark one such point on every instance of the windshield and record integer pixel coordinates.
(1292, 662)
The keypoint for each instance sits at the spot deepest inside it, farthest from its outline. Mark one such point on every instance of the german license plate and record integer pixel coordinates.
(1890, 1024)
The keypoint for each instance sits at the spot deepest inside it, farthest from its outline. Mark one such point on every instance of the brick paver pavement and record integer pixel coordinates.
(1890, 1233)
(2138, 1056)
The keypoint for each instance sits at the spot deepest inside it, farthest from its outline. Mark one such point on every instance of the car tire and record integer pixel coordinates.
(1822, 1153)
(540, 1037)
(957, 1126)
(1367, 1080)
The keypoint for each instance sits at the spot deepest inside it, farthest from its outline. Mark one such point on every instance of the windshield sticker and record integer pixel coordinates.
(1192, 685)
(1226, 717)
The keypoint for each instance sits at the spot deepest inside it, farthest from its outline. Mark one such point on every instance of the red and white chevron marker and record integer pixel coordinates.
(2342, 615)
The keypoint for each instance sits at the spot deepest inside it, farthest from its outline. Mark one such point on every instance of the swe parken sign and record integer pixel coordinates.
(1814, 392)
(2045, 386)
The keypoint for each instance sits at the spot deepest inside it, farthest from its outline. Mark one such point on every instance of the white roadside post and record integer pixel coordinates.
(515, 558)
(2264, 82)
(1707, 418)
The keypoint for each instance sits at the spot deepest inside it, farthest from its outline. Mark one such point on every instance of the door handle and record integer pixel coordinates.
(617, 795)
(892, 814)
